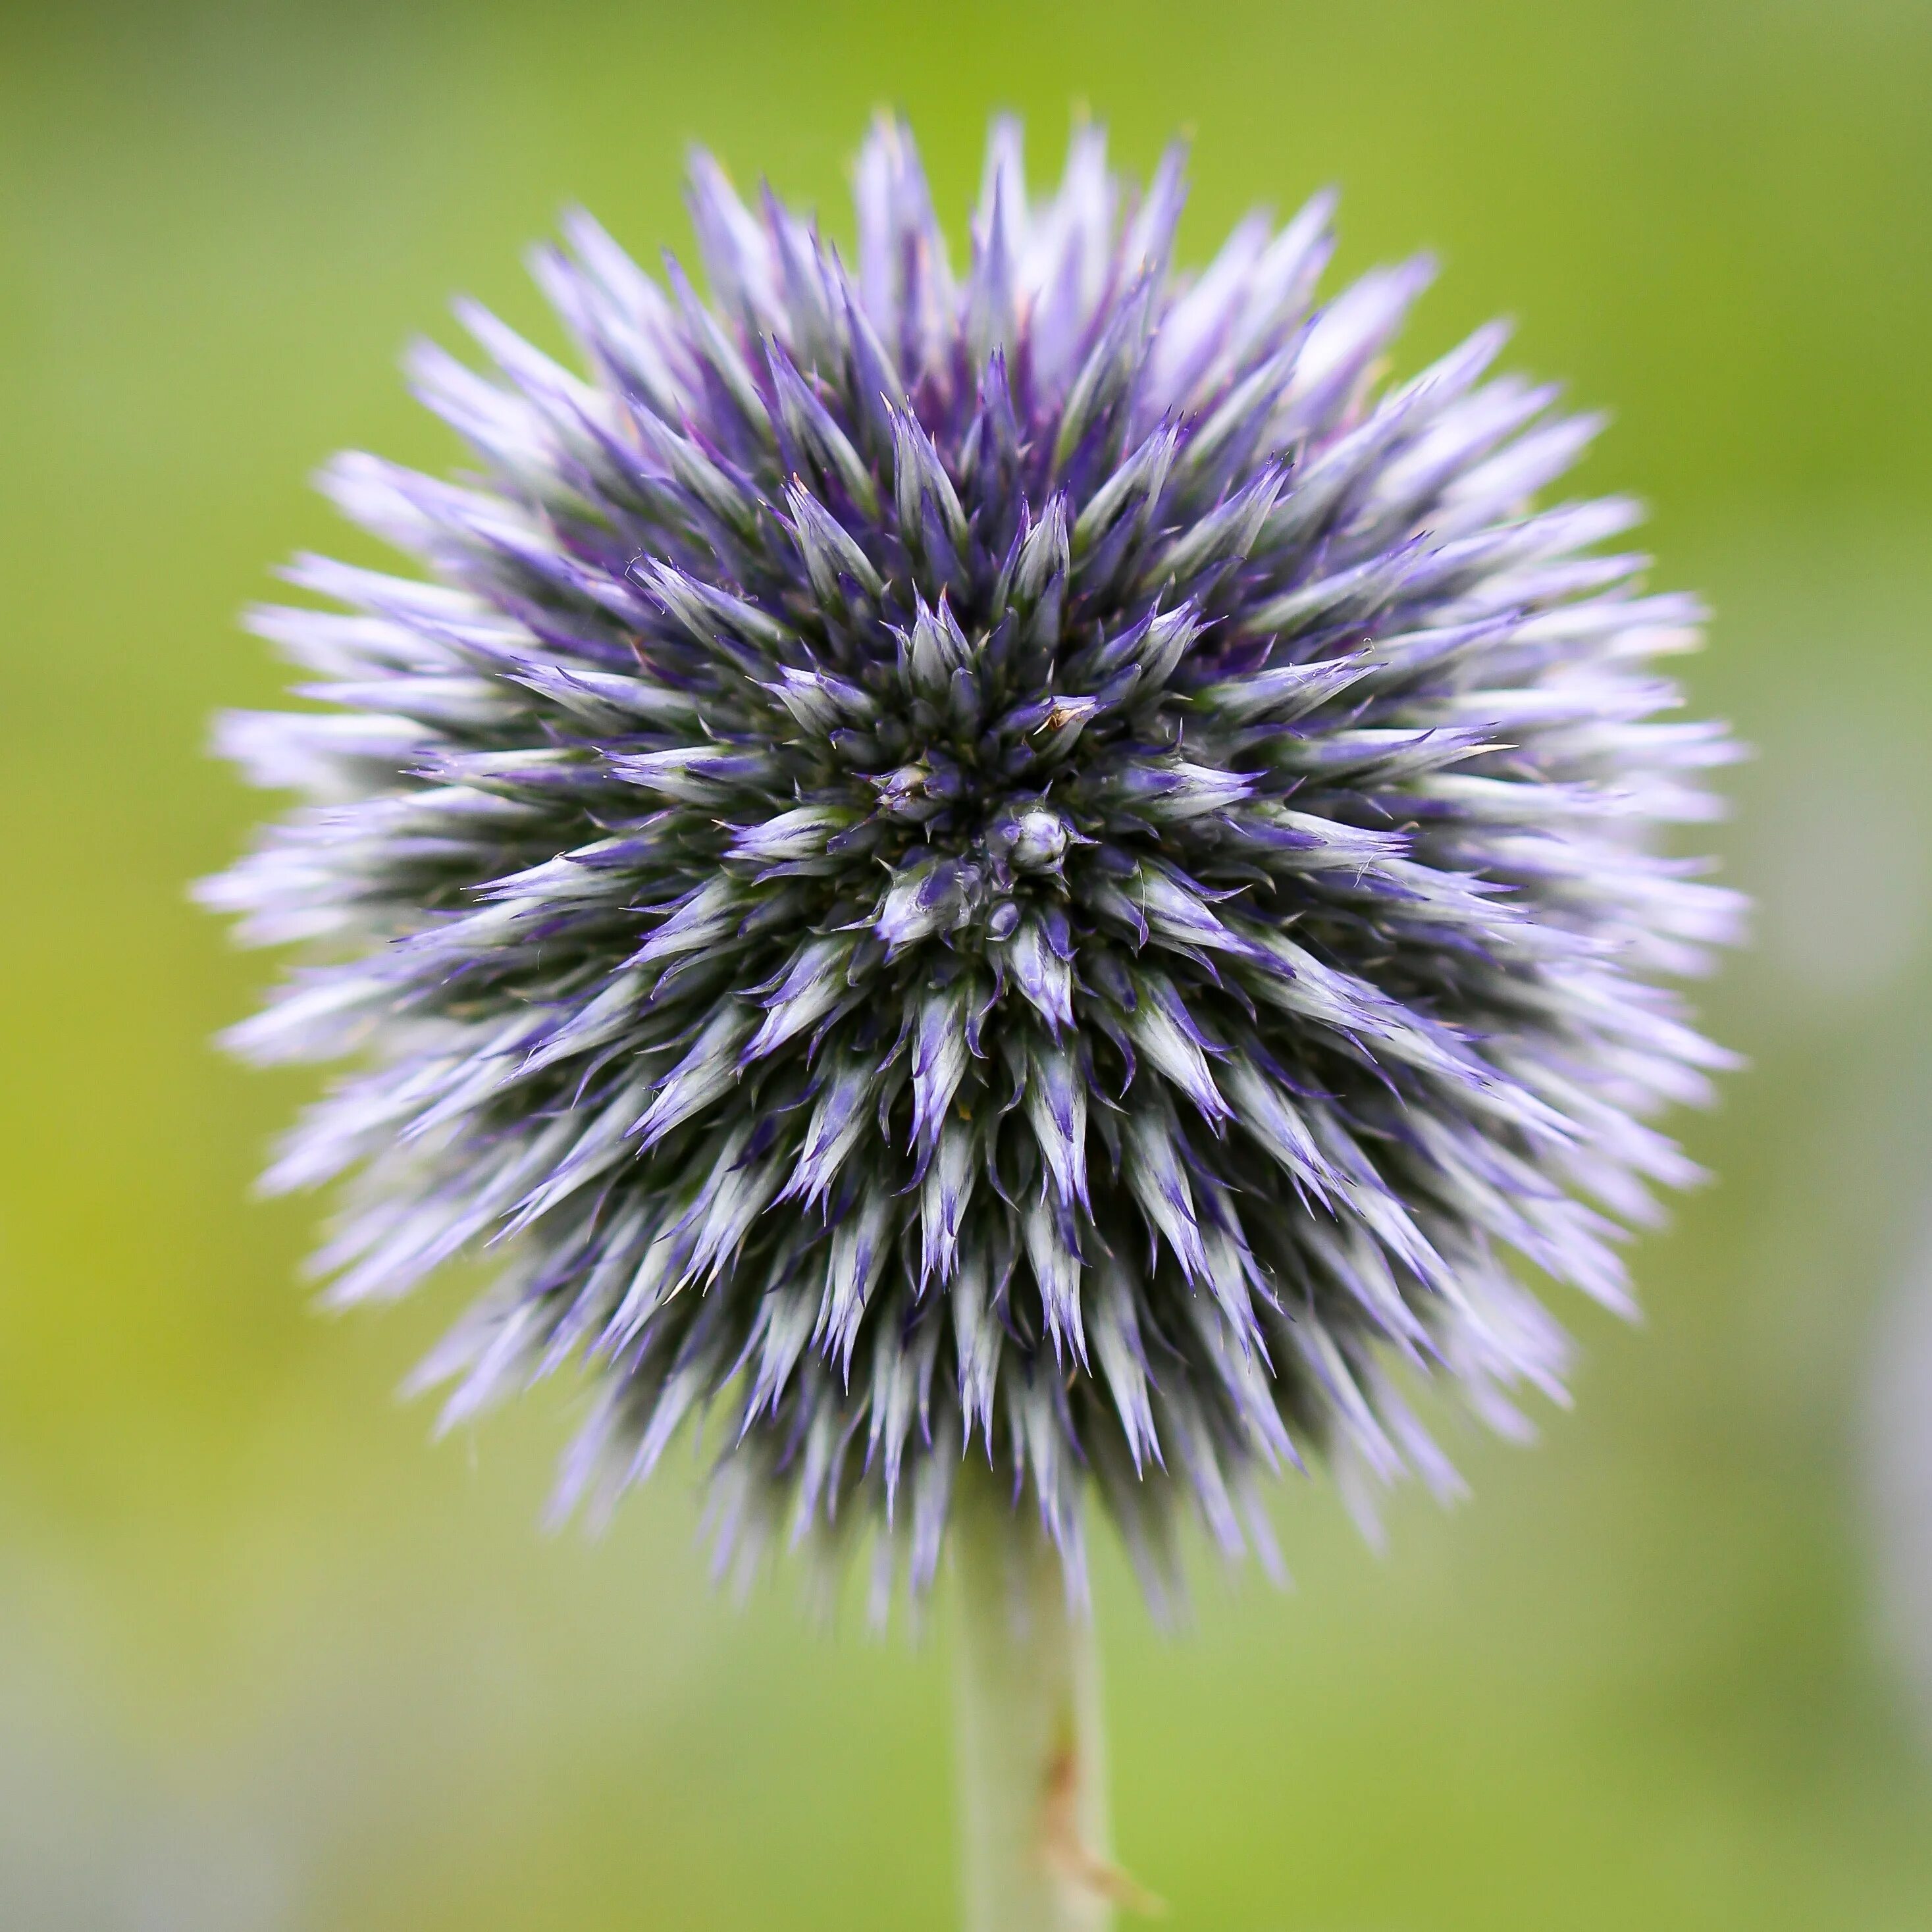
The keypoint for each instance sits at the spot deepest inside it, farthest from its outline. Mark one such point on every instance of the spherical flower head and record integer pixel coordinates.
(1028, 864)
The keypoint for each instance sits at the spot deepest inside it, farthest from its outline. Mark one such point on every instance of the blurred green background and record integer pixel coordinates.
(267, 1660)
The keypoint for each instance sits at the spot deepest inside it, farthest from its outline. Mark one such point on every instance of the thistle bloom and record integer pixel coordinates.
(1027, 864)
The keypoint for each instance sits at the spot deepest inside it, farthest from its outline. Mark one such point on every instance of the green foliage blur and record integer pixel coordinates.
(269, 1660)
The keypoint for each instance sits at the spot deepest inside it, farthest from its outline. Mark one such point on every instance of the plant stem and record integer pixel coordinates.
(1033, 1800)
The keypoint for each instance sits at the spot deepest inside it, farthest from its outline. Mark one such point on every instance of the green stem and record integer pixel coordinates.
(1032, 1799)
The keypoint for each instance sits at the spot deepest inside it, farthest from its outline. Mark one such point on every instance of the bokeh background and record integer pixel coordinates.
(267, 1660)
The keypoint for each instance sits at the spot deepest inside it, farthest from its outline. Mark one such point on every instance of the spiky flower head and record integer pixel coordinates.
(1026, 864)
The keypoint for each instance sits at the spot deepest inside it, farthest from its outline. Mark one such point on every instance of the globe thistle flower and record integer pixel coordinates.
(1025, 862)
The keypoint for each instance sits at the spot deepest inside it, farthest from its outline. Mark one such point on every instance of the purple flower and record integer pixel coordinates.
(1025, 863)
